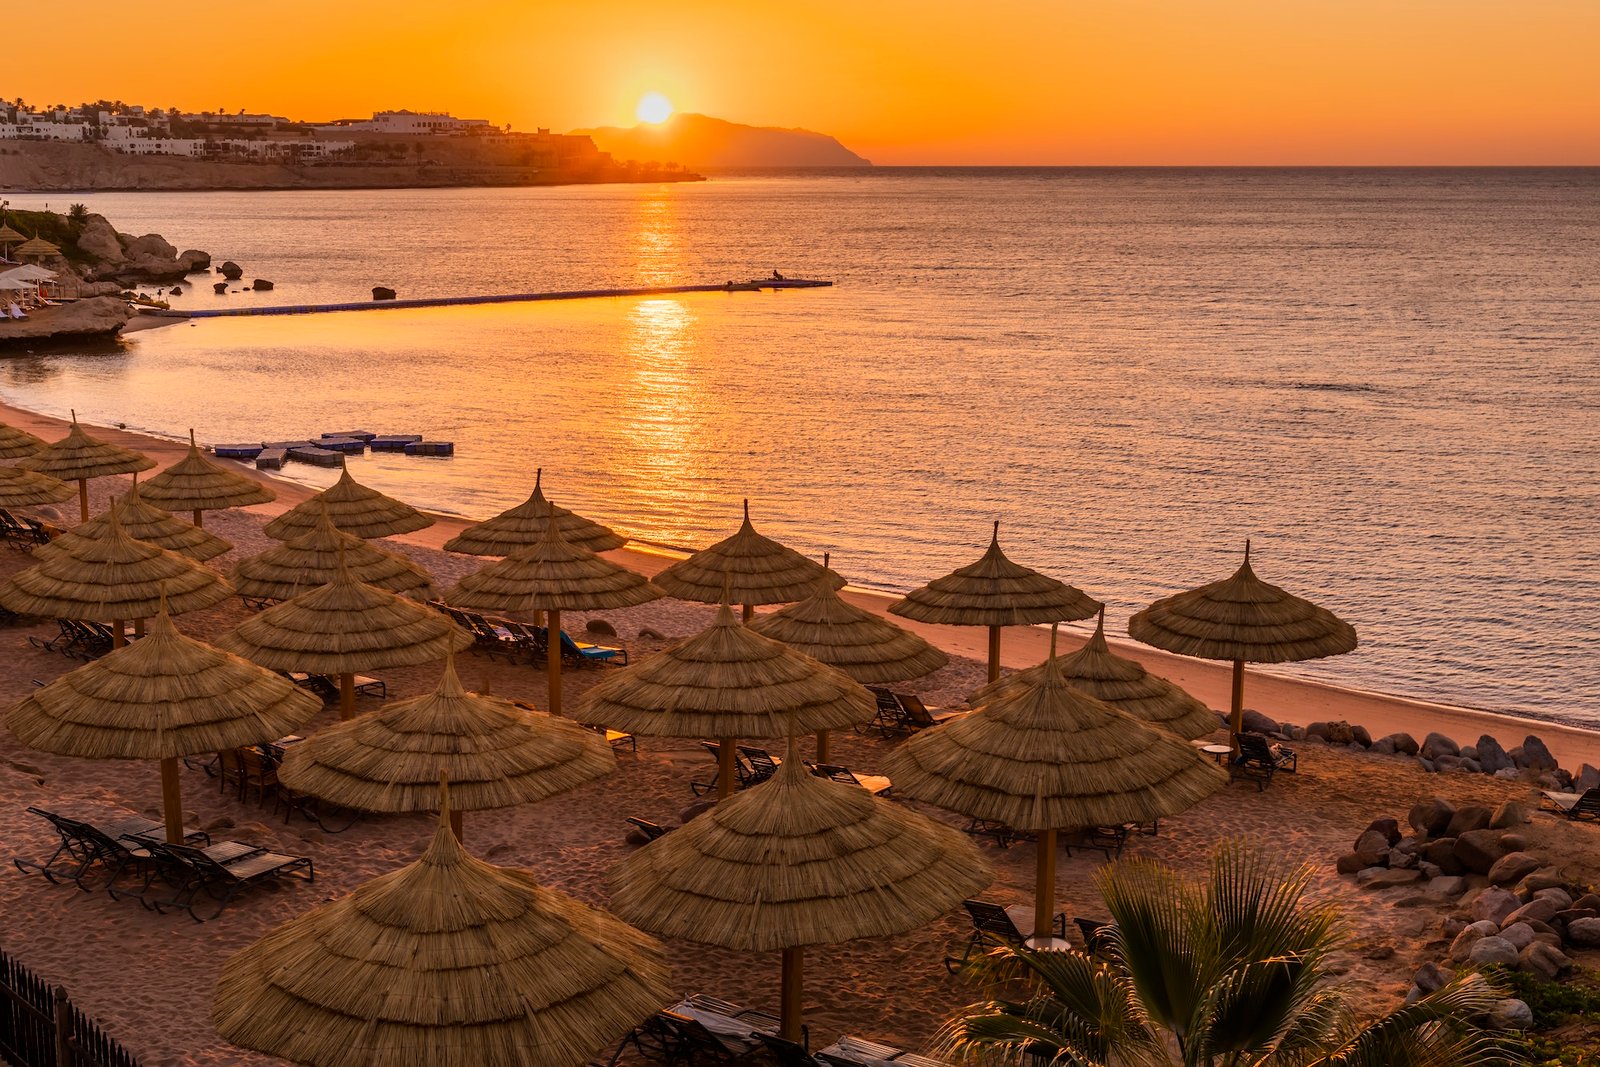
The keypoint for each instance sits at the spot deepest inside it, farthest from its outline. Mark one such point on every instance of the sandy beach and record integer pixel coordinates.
(148, 978)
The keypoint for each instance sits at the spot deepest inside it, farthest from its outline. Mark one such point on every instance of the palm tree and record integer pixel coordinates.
(1229, 971)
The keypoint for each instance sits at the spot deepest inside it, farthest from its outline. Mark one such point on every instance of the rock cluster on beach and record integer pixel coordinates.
(124, 260)
(1437, 753)
(1509, 905)
(98, 316)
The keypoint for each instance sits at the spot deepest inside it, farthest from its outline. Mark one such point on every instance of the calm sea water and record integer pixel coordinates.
(1387, 379)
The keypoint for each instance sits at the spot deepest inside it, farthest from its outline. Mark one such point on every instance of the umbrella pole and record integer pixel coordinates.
(83, 498)
(117, 640)
(172, 800)
(138, 627)
(994, 653)
(749, 612)
(822, 746)
(1236, 719)
(1044, 897)
(455, 823)
(347, 696)
(552, 659)
(794, 965)
(197, 520)
(726, 772)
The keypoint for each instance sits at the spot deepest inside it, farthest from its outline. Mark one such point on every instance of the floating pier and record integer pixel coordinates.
(271, 459)
(317, 457)
(393, 442)
(753, 286)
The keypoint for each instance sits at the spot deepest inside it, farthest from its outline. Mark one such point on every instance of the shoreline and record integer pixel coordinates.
(1299, 701)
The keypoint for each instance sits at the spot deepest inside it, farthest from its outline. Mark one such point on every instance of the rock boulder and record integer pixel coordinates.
(1431, 816)
(231, 271)
(1546, 961)
(1535, 756)
(1491, 756)
(193, 260)
(1493, 905)
(1513, 867)
(1471, 817)
(1508, 815)
(1584, 932)
(1436, 745)
(1492, 950)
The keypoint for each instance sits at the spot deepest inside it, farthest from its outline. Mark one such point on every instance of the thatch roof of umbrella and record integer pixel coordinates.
(552, 575)
(111, 577)
(495, 753)
(726, 681)
(145, 522)
(748, 568)
(867, 647)
(994, 591)
(449, 960)
(344, 627)
(26, 489)
(199, 483)
(163, 696)
(79, 455)
(36, 246)
(1243, 618)
(15, 443)
(525, 524)
(10, 236)
(308, 560)
(1052, 757)
(1122, 683)
(798, 860)
(355, 509)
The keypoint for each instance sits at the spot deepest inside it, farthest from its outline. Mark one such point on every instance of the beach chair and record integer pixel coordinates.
(999, 832)
(580, 652)
(617, 739)
(1093, 934)
(918, 716)
(58, 643)
(530, 640)
(740, 766)
(86, 846)
(1574, 806)
(858, 1052)
(762, 764)
(75, 851)
(888, 715)
(490, 638)
(319, 684)
(1259, 761)
(876, 784)
(257, 772)
(651, 830)
(993, 924)
(195, 873)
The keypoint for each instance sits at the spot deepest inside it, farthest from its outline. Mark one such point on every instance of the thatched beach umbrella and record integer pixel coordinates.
(524, 526)
(1051, 758)
(448, 961)
(79, 457)
(867, 647)
(355, 509)
(343, 628)
(25, 489)
(553, 576)
(1122, 683)
(197, 483)
(495, 753)
(727, 682)
(162, 698)
(747, 569)
(109, 578)
(145, 522)
(9, 236)
(1244, 620)
(797, 860)
(37, 247)
(995, 592)
(308, 560)
(16, 444)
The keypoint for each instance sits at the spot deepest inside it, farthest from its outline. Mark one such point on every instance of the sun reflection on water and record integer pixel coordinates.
(664, 411)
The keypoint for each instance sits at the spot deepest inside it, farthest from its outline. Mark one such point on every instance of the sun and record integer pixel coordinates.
(654, 108)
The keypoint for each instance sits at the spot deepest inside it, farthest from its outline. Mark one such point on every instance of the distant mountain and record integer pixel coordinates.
(700, 141)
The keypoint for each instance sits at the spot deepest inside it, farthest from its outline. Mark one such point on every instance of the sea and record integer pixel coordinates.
(1387, 380)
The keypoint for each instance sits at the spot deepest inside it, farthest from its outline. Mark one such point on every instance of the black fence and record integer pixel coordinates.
(39, 1027)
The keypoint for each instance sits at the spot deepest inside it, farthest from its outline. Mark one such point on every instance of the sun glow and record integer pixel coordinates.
(654, 108)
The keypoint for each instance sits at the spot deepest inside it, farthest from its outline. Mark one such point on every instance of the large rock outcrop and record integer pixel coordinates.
(99, 316)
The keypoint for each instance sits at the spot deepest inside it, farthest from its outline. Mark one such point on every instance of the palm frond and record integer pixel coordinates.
(1437, 1031)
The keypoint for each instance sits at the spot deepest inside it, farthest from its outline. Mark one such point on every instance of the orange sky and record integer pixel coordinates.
(1001, 81)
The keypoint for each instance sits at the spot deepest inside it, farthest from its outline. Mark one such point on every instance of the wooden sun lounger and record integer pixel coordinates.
(194, 873)
(876, 784)
(1259, 760)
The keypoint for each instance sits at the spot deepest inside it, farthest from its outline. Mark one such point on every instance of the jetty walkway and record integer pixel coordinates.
(495, 298)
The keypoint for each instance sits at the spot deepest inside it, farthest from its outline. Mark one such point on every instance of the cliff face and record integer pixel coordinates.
(48, 166)
(699, 141)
